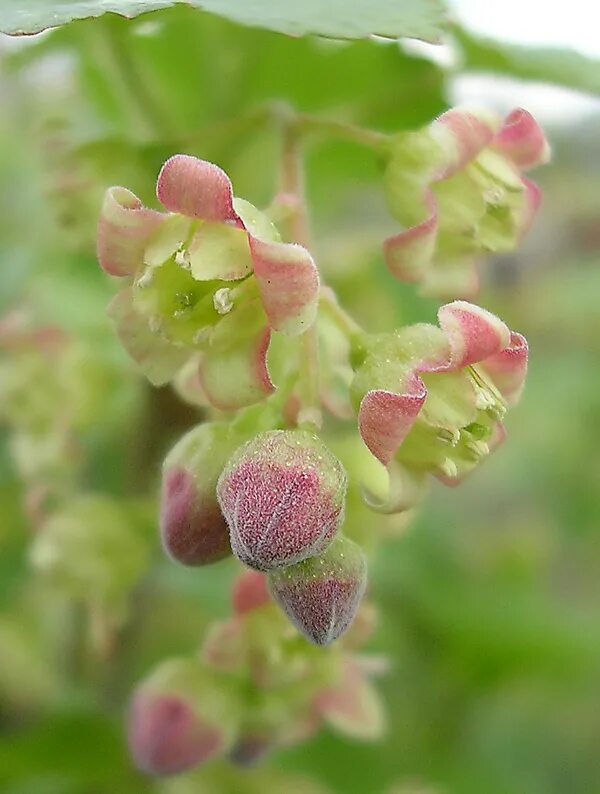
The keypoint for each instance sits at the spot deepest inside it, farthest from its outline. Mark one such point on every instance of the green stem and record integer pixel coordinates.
(306, 123)
(347, 324)
(132, 85)
(292, 185)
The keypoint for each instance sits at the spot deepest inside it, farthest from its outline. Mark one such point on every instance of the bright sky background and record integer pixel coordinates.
(566, 23)
(573, 24)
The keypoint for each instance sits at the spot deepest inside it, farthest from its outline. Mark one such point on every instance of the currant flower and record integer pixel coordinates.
(432, 399)
(209, 278)
(457, 188)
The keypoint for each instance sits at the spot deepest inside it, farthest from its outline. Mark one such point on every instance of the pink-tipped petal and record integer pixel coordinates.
(508, 368)
(385, 418)
(522, 140)
(233, 370)
(409, 253)
(469, 134)
(533, 199)
(195, 188)
(158, 359)
(352, 705)
(473, 333)
(289, 284)
(248, 380)
(124, 229)
(249, 592)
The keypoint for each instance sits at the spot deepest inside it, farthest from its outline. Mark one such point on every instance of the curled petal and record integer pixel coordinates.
(385, 418)
(195, 188)
(405, 490)
(223, 646)
(289, 284)
(158, 359)
(233, 370)
(124, 229)
(352, 706)
(473, 333)
(463, 134)
(250, 592)
(533, 199)
(409, 253)
(508, 368)
(522, 140)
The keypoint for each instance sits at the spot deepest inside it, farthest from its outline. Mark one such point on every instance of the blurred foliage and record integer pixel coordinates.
(417, 18)
(552, 65)
(490, 598)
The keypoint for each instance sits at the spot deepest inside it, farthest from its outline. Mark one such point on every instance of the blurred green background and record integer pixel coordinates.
(490, 600)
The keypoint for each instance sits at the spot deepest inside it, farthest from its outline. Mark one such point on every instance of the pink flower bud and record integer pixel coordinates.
(321, 595)
(282, 495)
(176, 720)
(192, 526)
(249, 592)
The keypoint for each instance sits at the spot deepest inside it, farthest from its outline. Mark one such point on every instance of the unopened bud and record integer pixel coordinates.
(250, 592)
(282, 495)
(192, 526)
(177, 719)
(321, 595)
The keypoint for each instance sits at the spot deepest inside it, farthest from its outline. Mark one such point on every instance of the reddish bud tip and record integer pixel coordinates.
(321, 595)
(192, 526)
(166, 736)
(282, 495)
(179, 718)
(249, 592)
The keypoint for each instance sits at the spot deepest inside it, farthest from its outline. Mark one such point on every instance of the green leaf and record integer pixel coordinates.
(562, 67)
(421, 19)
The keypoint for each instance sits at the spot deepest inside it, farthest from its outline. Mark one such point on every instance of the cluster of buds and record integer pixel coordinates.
(277, 503)
(211, 291)
(254, 686)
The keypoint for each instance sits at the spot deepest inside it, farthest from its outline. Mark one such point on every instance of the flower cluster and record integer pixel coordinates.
(457, 188)
(277, 502)
(208, 282)
(432, 399)
(254, 686)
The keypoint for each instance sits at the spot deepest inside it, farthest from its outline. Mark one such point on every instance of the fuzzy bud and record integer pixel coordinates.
(321, 595)
(192, 526)
(282, 495)
(178, 719)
